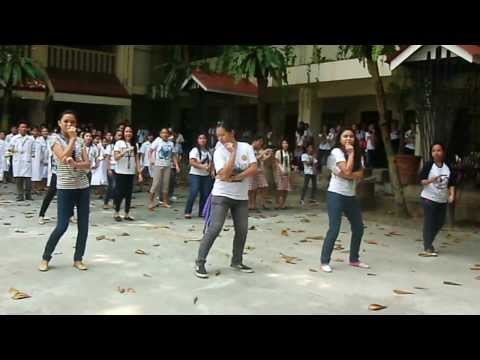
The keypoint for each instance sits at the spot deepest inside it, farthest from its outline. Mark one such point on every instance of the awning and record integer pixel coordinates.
(220, 83)
(470, 53)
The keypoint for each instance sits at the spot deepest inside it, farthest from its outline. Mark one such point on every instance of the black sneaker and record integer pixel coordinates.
(20, 198)
(242, 268)
(29, 198)
(201, 272)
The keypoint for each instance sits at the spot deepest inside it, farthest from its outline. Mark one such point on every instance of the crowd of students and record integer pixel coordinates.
(225, 174)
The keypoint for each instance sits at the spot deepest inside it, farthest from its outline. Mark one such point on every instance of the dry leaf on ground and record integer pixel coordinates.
(289, 259)
(147, 275)
(305, 221)
(338, 247)
(372, 242)
(284, 232)
(312, 270)
(402, 292)
(452, 283)
(140, 252)
(131, 291)
(195, 300)
(315, 237)
(18, 295)
(376, 307)
(338, 260)
(475, 268)
(125, 234)
(371, 274)
(419, 288)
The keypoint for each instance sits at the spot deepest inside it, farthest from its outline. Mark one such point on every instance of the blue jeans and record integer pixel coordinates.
(66, 201)
(198, 184)
(337, 205)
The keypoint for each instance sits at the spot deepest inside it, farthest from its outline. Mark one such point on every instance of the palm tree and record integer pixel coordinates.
(370, 55)
(259, 62)
(15, 70)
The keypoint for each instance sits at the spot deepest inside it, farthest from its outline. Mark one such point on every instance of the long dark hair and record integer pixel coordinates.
(132, 141)
(357, 163)
(281, 152)
(198, 147)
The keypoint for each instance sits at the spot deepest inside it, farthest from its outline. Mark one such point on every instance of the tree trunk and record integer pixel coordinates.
(400, 203)
(6, 116)
(261, 107)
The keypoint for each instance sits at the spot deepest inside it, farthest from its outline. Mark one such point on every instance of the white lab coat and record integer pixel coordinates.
(39, 159)
(22, 148)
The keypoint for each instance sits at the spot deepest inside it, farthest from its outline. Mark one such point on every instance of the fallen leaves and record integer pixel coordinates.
(376, 307)
(284, 232)
(147, 275)
(218, 272)
(372, 242)
(140, 252)
(156, 245)
(304, 220)
(125, 234)
(315, 238)
(371, 274)
(475, 268)
(104, 237)
(290, 259)
(451, 283)
(126, 291)
(20, 231)
(419, 288)
(477, 277)
(338, 260)
(18, 295)
(195, 300)
(402, 292)
(393, 233)
(252, 227)
(312, 270)
(338, 247)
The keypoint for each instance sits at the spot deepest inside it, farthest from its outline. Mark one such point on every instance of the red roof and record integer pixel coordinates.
(76, 82)
(224, 84)
(86, 83)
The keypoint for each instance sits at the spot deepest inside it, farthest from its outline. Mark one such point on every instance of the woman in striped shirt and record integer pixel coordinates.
(73, 190)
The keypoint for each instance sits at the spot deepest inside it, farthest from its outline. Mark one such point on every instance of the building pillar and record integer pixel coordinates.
(124, 66)
(310, 110)
(40, 54)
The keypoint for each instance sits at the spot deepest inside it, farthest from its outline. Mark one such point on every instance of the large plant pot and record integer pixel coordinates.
(407, 166)
(366, 194)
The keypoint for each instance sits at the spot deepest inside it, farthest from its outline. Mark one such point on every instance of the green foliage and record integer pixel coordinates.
(260, 62)
(362, 52)
(16, 69)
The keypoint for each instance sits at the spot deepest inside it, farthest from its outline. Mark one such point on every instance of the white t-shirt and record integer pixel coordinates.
(325, 142)
(394, 135)
(338, 184)
(245, 156)
(308, 168)
(369, 137)
(437, 191)
(145, 150)
(126, 165)
(206, 158)
(285, 167)
(410, 139)
(164, 151)
(109, 152)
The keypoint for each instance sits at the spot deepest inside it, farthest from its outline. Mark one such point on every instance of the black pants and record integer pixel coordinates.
(395, 145)
(322, 156)
(123, 190)
(408, 151)
(313, 180)
(433, 220)
(173, 179)
(50, 194)
(110, 193)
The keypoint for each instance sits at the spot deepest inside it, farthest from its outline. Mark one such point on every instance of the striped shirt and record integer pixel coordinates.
(67, 177)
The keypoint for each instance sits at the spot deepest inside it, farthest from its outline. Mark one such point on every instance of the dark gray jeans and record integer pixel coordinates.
(24, 186)
(220, 207)
(433, 220)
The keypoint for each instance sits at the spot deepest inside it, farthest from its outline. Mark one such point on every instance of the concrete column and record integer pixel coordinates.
(310, 109)
(124, 65)
(36, 113)
(40, 54)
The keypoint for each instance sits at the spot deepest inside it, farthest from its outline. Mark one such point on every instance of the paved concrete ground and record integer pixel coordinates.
(164, 283)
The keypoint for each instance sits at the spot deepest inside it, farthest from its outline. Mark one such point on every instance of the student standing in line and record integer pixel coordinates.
(345, 162)
(200, 175)
(438, 181)
(3, 162)
(21, 146)
(128, 164)
(8, 139)
(310, 173)
(73, 189)
(394, 137)
(111, 166)
(283, 174)
(410, 139)
(326, 139)
(144, 152)
(99, 170)
(259, 183)
(164, 153)
(235, 162)
(92, 153)
(371, 140)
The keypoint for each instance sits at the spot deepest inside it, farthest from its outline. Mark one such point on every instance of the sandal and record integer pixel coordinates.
(117, 218)
(128, 218)
(188, 216)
